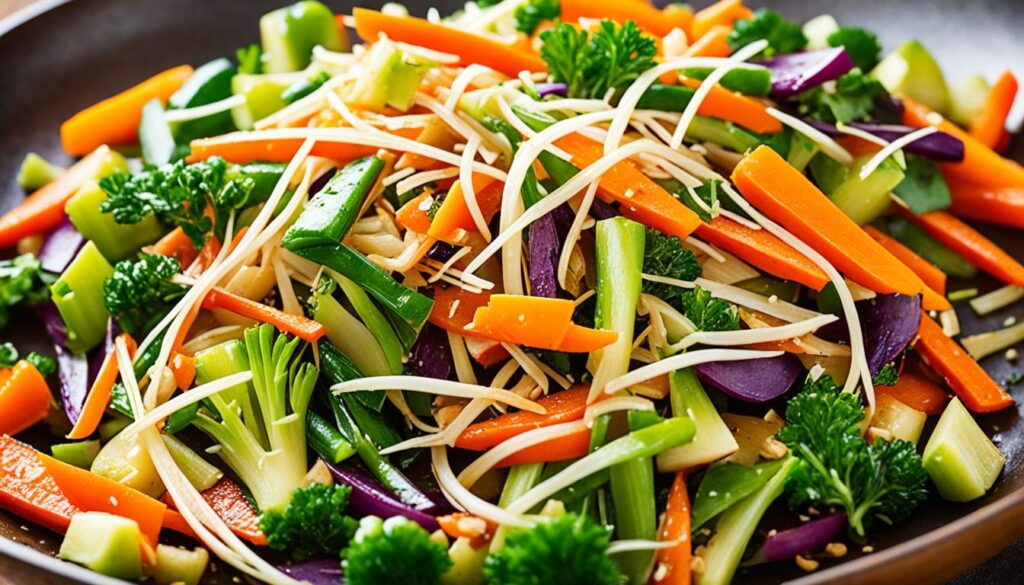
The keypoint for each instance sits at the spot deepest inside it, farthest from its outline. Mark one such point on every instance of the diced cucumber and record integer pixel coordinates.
(713, 441)
(911, 71)
(391, 79)
(818, 30)
(200, 472)
(264, 175)
(80, 454)
(262, 98)
(209, 83)
(105, 543)
(178, 565)
(78, 296)
(124, 460)
(967, 99)
(116, 241)
(326, 439)
(35, 171)
(898, 419)
(961, 460)
(156, 139)
(863, 200)
(827, 173)
(290, 33)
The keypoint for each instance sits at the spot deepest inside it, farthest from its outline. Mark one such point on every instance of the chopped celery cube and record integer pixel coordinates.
(105, 543)
(78, 296)
(968, 99)
(178, 565)
(961, 460)
(898, 420)
(290, 33)
(863, 200)
(262, 98)
(80, 454)
(35, 171)
(714, 440)
(116, 241)
(392, 78)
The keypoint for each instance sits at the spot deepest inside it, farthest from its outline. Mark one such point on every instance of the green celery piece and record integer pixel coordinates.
(961, 460)
(411, 306)
(354, 340)
(156, 138)
(667, 98)
(827, 173)
(736, 525)
(79, 454)
(801, 151)
(755, 82)
(967, 99)
(115, 241)
(375, 321)
(331, 212)
(289, 34)
(78, 296)
(714, 439)
(105, 543)
(338, 367)
(767, 286)
(209, 83)
(35, 171)
(722, 133)
(114, 424)
(924, 189)
(911, 71)
(226, 359)
(178, 565)
(200, 473)
(392, 78)
(864, 200)
(326, 440)
(519, 480)
(929, 248)
(262, 98)
(724, 484)
(636, 515)
(264, 176)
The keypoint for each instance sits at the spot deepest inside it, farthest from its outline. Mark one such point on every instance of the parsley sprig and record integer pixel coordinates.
(591, 64)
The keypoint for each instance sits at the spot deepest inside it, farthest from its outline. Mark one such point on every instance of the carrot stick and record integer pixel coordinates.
(916, 392)
(178, 246)
(537, 322)
(788, 197)
(208, 252)
(998, 205)
(966, 377)
(763, 250)
(173, 520)
(966, 241)
(299, 326)
(565, 406)
(469, 47)
(736, 107)
(454, 212)
(646, 16)
(115, 120)
(723, 12)
(571, 446)
(98, 398)
(413, 215)
(675, 526)
(981, 165)
(230, 505)
(95, 493)
(933, 278)
(239, 148)
(640, 198)
(711, 44)
(990, 127)
(28, 491)
(25, 399)
(183, 367)
(678, 16)
(454, 308)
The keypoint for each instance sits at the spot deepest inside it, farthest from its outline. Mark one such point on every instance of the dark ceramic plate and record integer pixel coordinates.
(61, 57)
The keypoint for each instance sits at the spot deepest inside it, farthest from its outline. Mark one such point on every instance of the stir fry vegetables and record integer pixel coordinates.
(540, 291)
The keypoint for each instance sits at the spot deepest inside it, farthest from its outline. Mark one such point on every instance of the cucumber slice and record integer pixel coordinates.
(262, 98)
(209, 83)
(290, 33)
(80, 454)
(105, 543)
(911, 71)
(968, 99)
(178, 565)
(961, 460)
(156, 139)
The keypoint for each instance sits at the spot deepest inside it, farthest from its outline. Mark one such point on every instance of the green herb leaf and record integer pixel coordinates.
(534, 12)
(22, 280)
(140, 292)
(611, 58)
(862, 46)
(923, 188)
(250, 60)
(852, 99)
(783, 36)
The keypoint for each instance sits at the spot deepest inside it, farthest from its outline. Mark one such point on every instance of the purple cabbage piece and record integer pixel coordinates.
(600, 210)
(321, 181)
(795, 73)
(370, 498)
(809, 537)
(61, 247)
(547, 235)
(74, 372)
(316, 572)
(938, 146)
(431, 355)
(888, 325)
(546, 89)
(756, 380)
(441, 251)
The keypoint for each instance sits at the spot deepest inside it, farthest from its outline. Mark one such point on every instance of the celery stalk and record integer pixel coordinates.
(80, 454)
(375, 321)
(200, 473)
(78, 295)
(223, 360)
(961, 460)
(35, 171)
(519, 481)
(116, 241)
(714, 440)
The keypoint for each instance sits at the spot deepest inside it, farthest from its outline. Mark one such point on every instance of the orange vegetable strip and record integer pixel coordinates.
(933, 278)
(966, 241)
(646, 16)
(981, 165)
(990, 127)
(469, 47)
(28, 491)
(580, 339)
(238, 148)
(564, 448)
(208, 252)
(639, 196)
(25, 399)
(763, 250)
(998, 205)
(413, 215)
(178, 246)
(521, 320)
(916, 392)
(115, 120)
(966, 377)
(736, 107)
(176, 522)
(723, 12)
(299, 326)
(565, 406)
(229, 503)
(98, 398)
(675, 526)
(95, 493)
(183, 367)
(486, 352)
(679, 16)
(711, 44)
(788, 197)
(454, 211)
(454, 308)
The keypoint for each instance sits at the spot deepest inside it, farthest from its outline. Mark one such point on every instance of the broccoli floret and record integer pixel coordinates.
(887, 376)
(22, 280)
(666, 256)
(837, 467)
(783, 36)
(531, 14)
(708, 312)
(282, 387)
(862, 46)
(314, 522)
(569, 550)
(140, 292)
(395, 550)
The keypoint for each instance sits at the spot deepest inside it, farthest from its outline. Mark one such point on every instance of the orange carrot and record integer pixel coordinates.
(736, 107)
(95, 493)
(178, 246)
(454, 212)
(186, 326)
(788, 197)
(981, 165)
(115, 120)
(470, 48)
(183, 367)
(646, 16)
(28, 491)
(413, 215)
(537, 322)
(678, 16)
(916, 392)
(565, 406)
(723, 12)
(25, 399)
(933, 278)
(99, 394)
(966, 241)
(711, 44)
(454, 308)
(966, 377)
(229, 503)
(640, 197)
(675, 526)
(173, 520)
(763, 250)
(241, 149)
(572, 446)
(990, 127)
(453, 525)
(998, 205)
(208, 252)
(299, 326)
(486, 352)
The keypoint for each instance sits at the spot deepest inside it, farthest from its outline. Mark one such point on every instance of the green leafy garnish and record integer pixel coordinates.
(611, 58)
(250, 60)
(783, 36)
(837, 467)
(862, 46)
(395, 550)
(923, 188)
(314, 522)
(887, 376)
(666, 256)
(531, 14)
(708, 312)
(22, 280)
(140, 292)
(851, 99)
(9, 356)
(435, 205)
